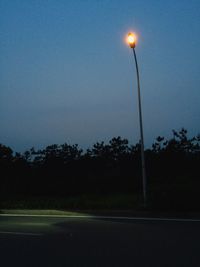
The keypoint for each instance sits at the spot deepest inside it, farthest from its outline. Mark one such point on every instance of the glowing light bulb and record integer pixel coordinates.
(131, 39)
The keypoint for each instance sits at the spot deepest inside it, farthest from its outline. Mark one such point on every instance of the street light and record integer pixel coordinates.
(132, 40)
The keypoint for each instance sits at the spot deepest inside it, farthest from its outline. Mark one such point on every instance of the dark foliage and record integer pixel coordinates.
(65, 170)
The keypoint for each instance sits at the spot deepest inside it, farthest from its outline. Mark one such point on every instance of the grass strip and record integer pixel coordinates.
(40, 212)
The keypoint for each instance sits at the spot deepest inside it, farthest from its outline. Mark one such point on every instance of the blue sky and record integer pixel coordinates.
(66, 74)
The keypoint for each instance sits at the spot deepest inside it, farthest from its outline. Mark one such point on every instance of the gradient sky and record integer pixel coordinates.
(66, 74)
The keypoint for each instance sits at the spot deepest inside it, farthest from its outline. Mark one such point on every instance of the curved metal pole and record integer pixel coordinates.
(144, 182)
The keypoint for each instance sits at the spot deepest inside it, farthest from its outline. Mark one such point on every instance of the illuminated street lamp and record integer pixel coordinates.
(132, 40)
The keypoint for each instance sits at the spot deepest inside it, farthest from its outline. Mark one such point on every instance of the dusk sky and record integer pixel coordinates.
(66, 74)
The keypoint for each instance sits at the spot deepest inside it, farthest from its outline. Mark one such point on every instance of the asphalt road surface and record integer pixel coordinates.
(84, 242)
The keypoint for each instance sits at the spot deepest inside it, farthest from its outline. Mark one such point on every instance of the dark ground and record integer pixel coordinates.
(36, 241)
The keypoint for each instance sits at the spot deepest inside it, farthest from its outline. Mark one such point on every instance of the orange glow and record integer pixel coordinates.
(132, 39)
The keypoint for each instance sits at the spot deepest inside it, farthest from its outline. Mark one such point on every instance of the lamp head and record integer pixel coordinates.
(131, 39)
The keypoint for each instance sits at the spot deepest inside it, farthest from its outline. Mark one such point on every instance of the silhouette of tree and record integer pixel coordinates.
(6, 153)
(113, 167)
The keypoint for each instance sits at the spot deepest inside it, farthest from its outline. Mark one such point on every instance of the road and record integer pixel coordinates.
(85, 242)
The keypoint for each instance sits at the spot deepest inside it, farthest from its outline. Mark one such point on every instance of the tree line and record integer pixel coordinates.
(114, 167)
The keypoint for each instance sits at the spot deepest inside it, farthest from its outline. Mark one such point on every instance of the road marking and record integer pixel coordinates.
(152, 219)
(104, 217)
(21, 233)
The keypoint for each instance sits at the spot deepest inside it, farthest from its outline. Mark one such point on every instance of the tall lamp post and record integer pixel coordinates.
(132, 39)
